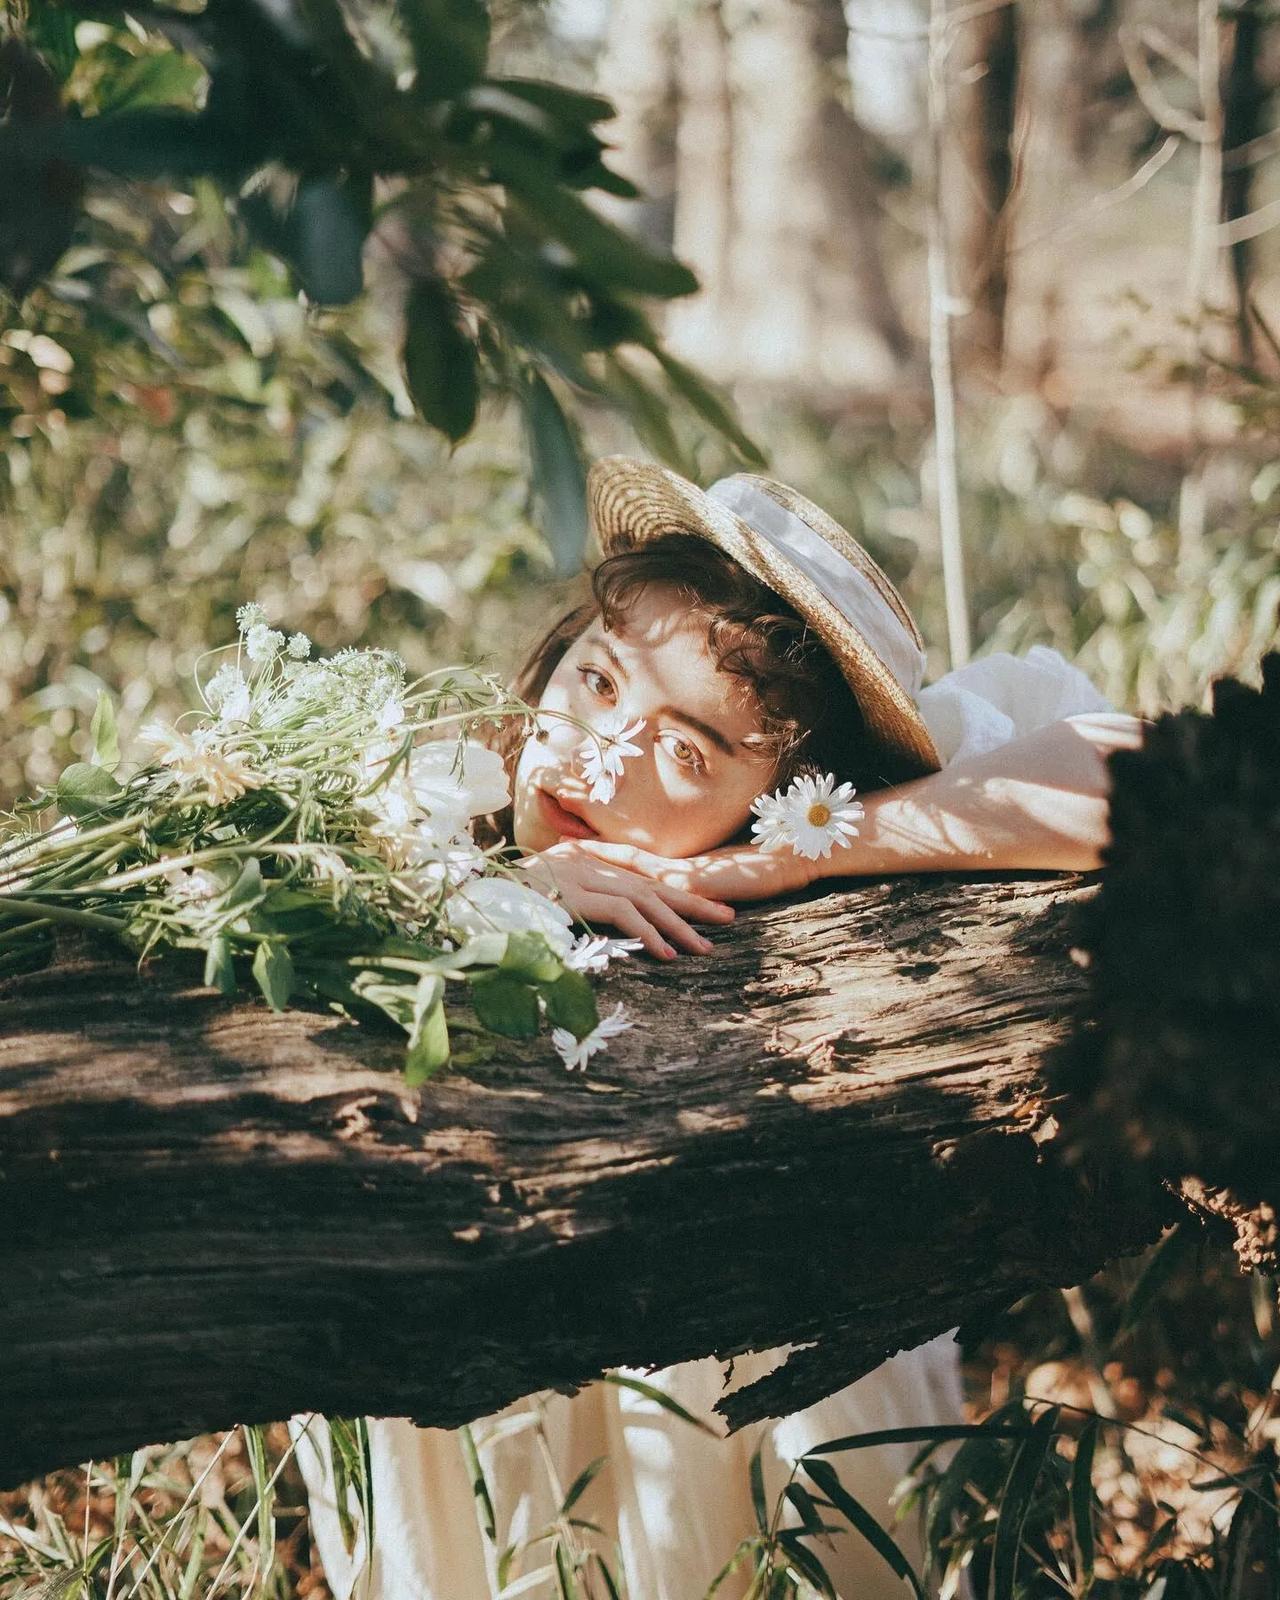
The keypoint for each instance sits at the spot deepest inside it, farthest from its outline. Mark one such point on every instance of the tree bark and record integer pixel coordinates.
(834, 1133)
(978, 176)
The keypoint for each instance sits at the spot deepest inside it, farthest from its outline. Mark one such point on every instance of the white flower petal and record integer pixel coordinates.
(502, 904)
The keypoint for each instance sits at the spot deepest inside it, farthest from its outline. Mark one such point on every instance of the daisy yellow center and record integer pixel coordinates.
(818, 815)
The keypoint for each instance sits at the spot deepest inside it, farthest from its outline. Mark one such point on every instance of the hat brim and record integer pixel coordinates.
(633, 502)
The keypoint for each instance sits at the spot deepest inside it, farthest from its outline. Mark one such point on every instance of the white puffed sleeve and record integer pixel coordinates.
(1000, 697)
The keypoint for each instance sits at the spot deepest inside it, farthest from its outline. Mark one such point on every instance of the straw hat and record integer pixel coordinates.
(802, 554)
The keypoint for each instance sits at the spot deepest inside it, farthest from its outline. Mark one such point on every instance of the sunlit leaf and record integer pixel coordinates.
(84, 789)
(102, 730)
(273, 970)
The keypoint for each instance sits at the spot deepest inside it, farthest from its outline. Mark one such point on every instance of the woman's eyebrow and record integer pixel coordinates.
(712, 735)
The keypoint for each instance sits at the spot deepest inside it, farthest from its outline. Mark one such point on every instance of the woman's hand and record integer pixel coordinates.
(734, 872)
(596, 887)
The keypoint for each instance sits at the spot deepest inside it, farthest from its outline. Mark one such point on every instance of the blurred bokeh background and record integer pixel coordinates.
(182, 431)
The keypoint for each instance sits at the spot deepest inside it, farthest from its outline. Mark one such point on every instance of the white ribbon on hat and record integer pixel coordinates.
(850, 591)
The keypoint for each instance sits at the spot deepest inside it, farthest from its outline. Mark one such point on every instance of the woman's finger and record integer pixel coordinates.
(689, 904)
(628, 919)
(672, 874)
(674, 925)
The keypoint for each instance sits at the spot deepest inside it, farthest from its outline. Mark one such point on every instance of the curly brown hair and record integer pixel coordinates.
(809, 718)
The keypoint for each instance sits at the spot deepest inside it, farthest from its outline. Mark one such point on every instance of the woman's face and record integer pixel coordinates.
(692, 786)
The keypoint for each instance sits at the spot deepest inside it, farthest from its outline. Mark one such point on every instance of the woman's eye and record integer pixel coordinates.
(595, 681)
(687, 754)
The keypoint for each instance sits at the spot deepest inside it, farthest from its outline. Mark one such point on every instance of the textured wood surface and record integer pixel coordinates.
(831, 1133)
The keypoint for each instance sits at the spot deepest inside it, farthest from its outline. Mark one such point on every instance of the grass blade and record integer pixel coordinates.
(1082, 1503)
(857, 1515)
(1015, 1503)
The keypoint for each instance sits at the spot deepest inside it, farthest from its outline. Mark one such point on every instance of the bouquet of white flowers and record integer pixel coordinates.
(310, 830)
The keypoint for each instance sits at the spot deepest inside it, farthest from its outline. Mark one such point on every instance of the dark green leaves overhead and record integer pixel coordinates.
(559, 474)
(440, 361)
(450, 40)
(302, 112)
(331, 219)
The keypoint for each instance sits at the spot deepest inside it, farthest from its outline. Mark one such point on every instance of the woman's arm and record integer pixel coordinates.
(1038, 802)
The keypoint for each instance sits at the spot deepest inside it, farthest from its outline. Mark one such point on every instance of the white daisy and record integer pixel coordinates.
(811, 816)
(594, 951)
(577, 1052)
(602, 753)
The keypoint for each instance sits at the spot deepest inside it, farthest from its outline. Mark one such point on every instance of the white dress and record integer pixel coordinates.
(676, 1499)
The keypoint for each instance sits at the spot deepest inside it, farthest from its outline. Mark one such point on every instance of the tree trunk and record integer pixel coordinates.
(833, 1133)
(978, 176)
(776, 208)
(637, 72)
(1244, 101)
(700, 326)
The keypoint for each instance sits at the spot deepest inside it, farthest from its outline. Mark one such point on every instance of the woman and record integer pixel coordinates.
(735, 638)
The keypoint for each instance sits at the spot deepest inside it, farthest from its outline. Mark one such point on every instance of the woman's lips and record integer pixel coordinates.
(565, 822)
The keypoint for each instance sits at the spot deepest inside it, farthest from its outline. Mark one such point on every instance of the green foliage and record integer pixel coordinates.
(319, 140)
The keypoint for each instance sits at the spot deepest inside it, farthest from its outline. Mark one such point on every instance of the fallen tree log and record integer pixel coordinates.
(833, 1132)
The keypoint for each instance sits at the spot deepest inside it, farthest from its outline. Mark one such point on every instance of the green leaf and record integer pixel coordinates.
(559, 475)
(746, 1547)
(1082, 1502)
(651, 1391)
(219, 969)
(247, 889)
(1169, 1255)
(170, 79)
(858, 1517)
(450, 40)
(611, 1587)
(565, 105)
(759, 1501)
(937, 1433)
(330, 221)
(505, 1005)
(709, 406)
(603, 252)
(580, 1485)
(273, 969)
(529, 956)
(807, 1506)
(479, 1484)
(440, 366)
(102, 730)
(83, 789)
(1015, 1502)
(571, 1003)
(429, 1037)
(806, 1563)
